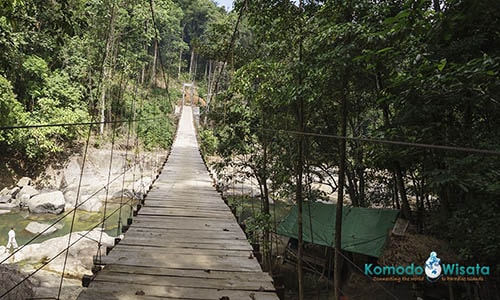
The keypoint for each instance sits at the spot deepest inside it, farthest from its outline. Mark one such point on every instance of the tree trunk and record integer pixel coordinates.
(337, 260)
(152, 80)
(180, 65)
(351, 187)
(195, 66)
(265, 207)
(405, 206)
(106, 67)
(361, 193)
(191, 66)
(299, 174)
(395, 194)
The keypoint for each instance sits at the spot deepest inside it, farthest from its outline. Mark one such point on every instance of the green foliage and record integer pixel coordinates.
(154, 127)
(408, 71)
(257, 224)
(11, 111)
(58, 102)
(71, 62)
(476, 243)
(208, 142)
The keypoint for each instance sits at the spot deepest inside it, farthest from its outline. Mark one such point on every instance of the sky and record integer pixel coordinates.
(227, 3)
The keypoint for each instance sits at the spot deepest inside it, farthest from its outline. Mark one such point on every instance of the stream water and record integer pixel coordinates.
(84, 221)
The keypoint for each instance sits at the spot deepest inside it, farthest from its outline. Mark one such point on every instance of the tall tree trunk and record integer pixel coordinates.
(265, 207)
(195, 68)
(152, 80)
(191, 66)
(299, 173)
(351, 187)
(106, 67)
(299, 199)
(395, 193)
(180, 65)
(337, 260)
(398, 173)
(361, 193)
(405, 206)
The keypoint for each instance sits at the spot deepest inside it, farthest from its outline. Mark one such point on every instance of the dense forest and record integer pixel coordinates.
(106, 62)
(398, 79)
(396, 102)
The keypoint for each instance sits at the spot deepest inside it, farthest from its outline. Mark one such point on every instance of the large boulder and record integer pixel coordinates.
(14, 191)
(92, 203)
(26, 193)
(10, 275)
(36, 228)
(52, 202)
(4, 192)
(80, 258)
(25, 181)
(5, 198)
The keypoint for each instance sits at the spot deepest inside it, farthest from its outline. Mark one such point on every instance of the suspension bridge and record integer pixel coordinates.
(184, 243)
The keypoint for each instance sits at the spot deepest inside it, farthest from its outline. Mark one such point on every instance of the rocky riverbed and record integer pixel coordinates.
(41, 210)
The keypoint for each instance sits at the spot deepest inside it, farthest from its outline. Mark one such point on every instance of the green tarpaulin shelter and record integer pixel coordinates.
(364, 230)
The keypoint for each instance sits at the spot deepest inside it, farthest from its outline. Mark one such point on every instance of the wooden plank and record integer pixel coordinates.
(183, 261)
(195, 206)
(180, 281)
(185, 212)
(155, 233)
(186, 244)
(200, 274)
(124, 249)
(128, 291)
(186, 223)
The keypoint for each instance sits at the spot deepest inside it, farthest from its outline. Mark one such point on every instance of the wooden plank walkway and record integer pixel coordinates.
(185, 243)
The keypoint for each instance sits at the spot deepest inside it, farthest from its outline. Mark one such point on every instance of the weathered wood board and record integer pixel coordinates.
(184, 243)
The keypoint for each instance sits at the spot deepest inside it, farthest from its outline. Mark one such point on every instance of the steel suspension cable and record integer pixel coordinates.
(12, 127)
(45, 263)
(62, 217)
(73, 217)
(129, 128)
(166, 78)
(110, 168)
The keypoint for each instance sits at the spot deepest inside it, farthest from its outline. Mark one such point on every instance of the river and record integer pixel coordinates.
(84, 220)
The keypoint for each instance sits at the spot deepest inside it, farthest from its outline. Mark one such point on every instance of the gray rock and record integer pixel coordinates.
(126, 194)
(25, 181)
(93, 204)
(70, 198)
(142, 185)
(36, 228)
(13, 192)
(5, 199)
(52, 202)
(27, 192)
(6, 208)
(5, 192)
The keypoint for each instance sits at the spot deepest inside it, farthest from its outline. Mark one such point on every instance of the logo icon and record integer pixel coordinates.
(433, 267)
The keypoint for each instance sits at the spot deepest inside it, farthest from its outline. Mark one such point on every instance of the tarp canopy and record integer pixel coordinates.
(364, 230)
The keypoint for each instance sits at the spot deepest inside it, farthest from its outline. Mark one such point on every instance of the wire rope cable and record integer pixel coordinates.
(45, 263)
(73, 217)
(63, 216)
